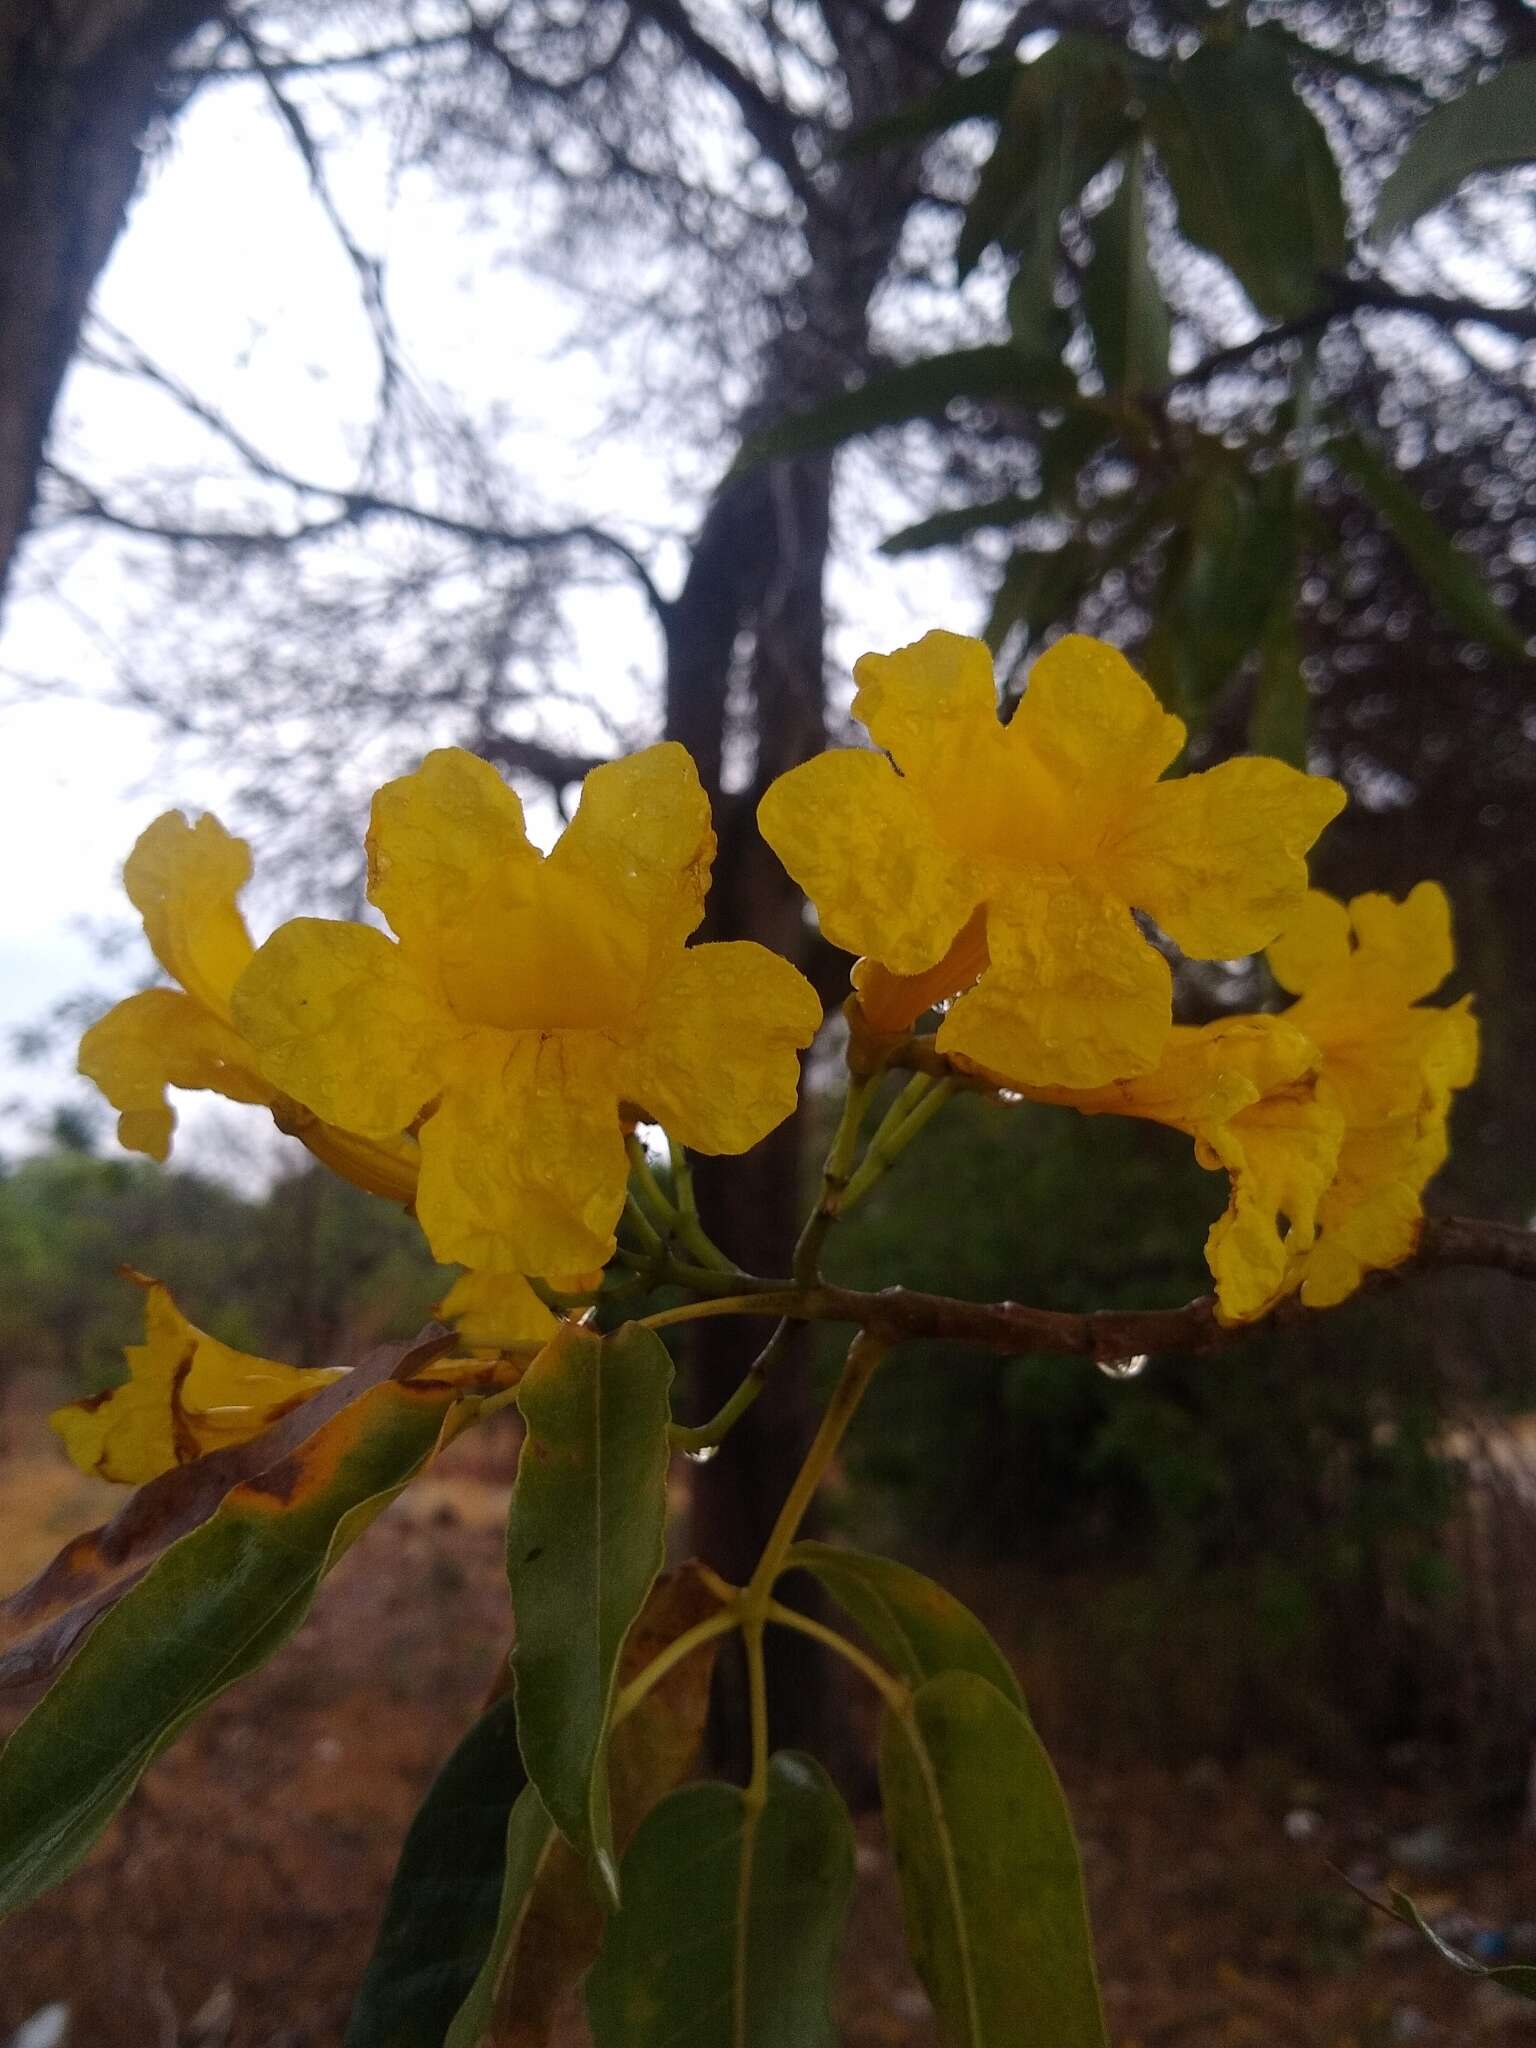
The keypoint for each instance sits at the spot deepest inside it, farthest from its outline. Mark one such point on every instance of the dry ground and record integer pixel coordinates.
(233, 1902)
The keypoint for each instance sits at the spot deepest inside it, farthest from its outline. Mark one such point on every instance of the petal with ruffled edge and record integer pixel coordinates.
(932, 706)
(1281, 1154)
(1074, 996)
(183, 881)
(163, 1039)
(523, 1167)
(1313, 944)
(855, 837)
(715, 1052)
(340, 1020)
(1219, 858)
(493, 1311)
(186, 1394)
(1403, 950)
(1094, 726)
(438, 838)
(1369, 1220)
(1206, 1075)
(642, 840)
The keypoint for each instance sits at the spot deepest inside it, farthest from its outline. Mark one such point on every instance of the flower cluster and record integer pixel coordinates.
(484, 1058)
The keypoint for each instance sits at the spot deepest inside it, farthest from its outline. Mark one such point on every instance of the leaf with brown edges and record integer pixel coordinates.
(42, 1624)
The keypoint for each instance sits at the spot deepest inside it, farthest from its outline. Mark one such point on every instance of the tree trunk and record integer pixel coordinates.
(752, 611)
(80, 83)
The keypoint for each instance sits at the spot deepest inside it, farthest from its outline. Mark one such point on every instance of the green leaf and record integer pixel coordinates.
(1121, 301)
(1042, 588)
(912, 391)
(919, 1628)
(991, 1883)
(584, 1545)
(1235, 559)
(1517, 1978)
(1446, 571)
(44, 1622)
(445, 1895)
(1279, 720)
(1253, 177)
(549, 1926)
(1489, 127)
(979, 95)
(213, 1608)
(1067, 114)
(943, 529)
(731, 1921)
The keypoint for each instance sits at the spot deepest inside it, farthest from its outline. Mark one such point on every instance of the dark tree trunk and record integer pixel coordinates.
(80, 83)
(752, 612)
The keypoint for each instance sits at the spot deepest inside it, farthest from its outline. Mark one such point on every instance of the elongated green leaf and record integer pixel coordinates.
(549, 1926)
(1487, 128)
(1121, 300)
(213, 1608)
(919, 1628)
(446, 1894)
(44, 1621)
(1236, 557)
(1519, 1979)
(943, 529)
(1278, 722)
(1252, 174)
(979, 95)
(1447, 572)
(731, 1923)
(584, 1545)
(1067, 114)
(990, 1879)
(913, 391)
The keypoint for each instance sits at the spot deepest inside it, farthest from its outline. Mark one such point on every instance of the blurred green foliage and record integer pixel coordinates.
(1251, 1544)
(310, 1272)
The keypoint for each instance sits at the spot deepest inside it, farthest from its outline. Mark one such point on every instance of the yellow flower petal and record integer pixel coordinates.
(438, 838)
(932, 706)
(1404, 948)
(163, 1039)
(1219, 858)
(1074, 996)
(855, 837)
(186, 1394)
(183, 880)
(1370, 1218)
(341, 1022)
(715, 1054)
(523, 1167)
(642, 841)
(1091, 722)
(494, 1311)
(1313, 943)
(1281, 1154)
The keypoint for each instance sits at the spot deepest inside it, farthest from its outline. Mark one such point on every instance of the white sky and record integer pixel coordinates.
(228, 275)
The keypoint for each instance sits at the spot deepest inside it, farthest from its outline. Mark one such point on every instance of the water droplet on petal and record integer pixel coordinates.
(1124, 1368)
(701, 1456)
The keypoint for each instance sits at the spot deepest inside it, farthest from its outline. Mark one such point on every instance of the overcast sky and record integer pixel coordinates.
(228, 275)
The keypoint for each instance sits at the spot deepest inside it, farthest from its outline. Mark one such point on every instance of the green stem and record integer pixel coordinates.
(653, 1244)
(864, 1356)
(890, 1688)
(662, 1269)
(916, 1106)
(691, 1234)
(705, 1436)
(665, 1660)
(764, 1304)
(652, 1196)
(834, 1179)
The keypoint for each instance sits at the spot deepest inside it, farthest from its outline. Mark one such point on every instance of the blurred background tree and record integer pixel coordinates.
(1151, 377)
